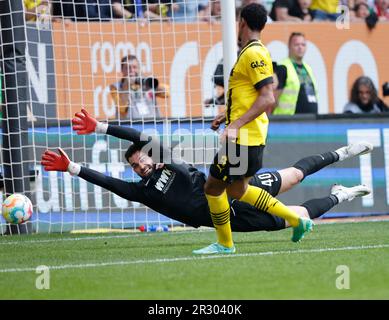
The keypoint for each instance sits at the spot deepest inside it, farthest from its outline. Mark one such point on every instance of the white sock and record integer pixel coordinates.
(74, 168)
(341, 152)
(341, 195)
(101, 127)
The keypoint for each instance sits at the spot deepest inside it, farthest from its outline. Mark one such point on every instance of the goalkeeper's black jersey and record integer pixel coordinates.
(176, 190)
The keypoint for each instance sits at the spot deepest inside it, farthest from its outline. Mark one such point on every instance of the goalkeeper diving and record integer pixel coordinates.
(176, 189)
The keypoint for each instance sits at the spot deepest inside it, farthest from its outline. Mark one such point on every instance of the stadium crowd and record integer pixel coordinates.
(370, 11)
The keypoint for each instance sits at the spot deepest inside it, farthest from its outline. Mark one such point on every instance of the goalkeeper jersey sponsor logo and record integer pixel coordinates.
(165, 180)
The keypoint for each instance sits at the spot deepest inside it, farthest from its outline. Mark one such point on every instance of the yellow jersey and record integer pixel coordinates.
(252, 70)
(329, 6)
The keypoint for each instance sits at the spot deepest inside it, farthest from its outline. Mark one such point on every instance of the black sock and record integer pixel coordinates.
(312, 164)
(317, 207)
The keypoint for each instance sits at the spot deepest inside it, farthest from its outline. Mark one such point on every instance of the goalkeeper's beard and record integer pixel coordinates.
(150, 170)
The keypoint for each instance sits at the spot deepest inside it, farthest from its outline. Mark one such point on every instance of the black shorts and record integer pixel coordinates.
(268, 180)
(243, 218)
(234, 162)
(246, 218)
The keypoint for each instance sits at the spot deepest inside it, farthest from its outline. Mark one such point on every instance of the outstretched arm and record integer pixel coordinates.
(84, 123)
(126, 190)
(52, 161)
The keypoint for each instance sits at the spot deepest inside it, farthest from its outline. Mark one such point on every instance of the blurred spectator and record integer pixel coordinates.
(281, 11)
(82, 10)
(187, 10)
(36, 10)
(362, 13)
(142, 9)
(218, 83)
(292, 10)
(160, 9)
(352, 3)
(301, 9)
(129, 9)
(63, 9)
(382, 9)
(97, 10)
(210, 12)
(364, 98)
(297, 89)
(325, 10)
(134, 96)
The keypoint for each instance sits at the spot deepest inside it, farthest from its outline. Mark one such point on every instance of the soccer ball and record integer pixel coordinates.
(17, 208)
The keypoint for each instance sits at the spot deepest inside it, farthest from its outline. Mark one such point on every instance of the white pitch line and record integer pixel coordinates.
(142, 234)
(192, 258)
(130, 235)
(66, 239)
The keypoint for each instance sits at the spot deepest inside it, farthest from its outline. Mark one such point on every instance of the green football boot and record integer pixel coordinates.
(215, 248)
(305, 225)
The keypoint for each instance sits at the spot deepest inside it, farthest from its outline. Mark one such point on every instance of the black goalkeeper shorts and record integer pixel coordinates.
(246, 218)
(234, 162)
(268, 180)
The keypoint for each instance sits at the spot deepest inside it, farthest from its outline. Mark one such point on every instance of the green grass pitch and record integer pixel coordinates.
(267, 265)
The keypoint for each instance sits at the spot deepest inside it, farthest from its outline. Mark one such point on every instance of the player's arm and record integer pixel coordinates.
(84, 123)
(219, 119)
(52, 161)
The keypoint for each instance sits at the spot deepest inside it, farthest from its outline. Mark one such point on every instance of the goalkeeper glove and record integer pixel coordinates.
(84, 123)
(52, 161)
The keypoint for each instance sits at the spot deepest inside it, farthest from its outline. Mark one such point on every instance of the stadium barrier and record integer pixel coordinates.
(65, 203)
(72, 65)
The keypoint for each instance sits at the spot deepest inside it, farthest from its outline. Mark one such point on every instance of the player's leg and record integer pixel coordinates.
(219, 207)
(309, 165)
(215, 192)
(277, 182)
(264, 201)
(260, 198)
(246, 218)
(315, 208)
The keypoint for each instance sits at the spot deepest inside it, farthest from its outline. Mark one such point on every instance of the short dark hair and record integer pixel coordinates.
(255, 16)
(131, 150)
(295, 34)
(366, 81)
